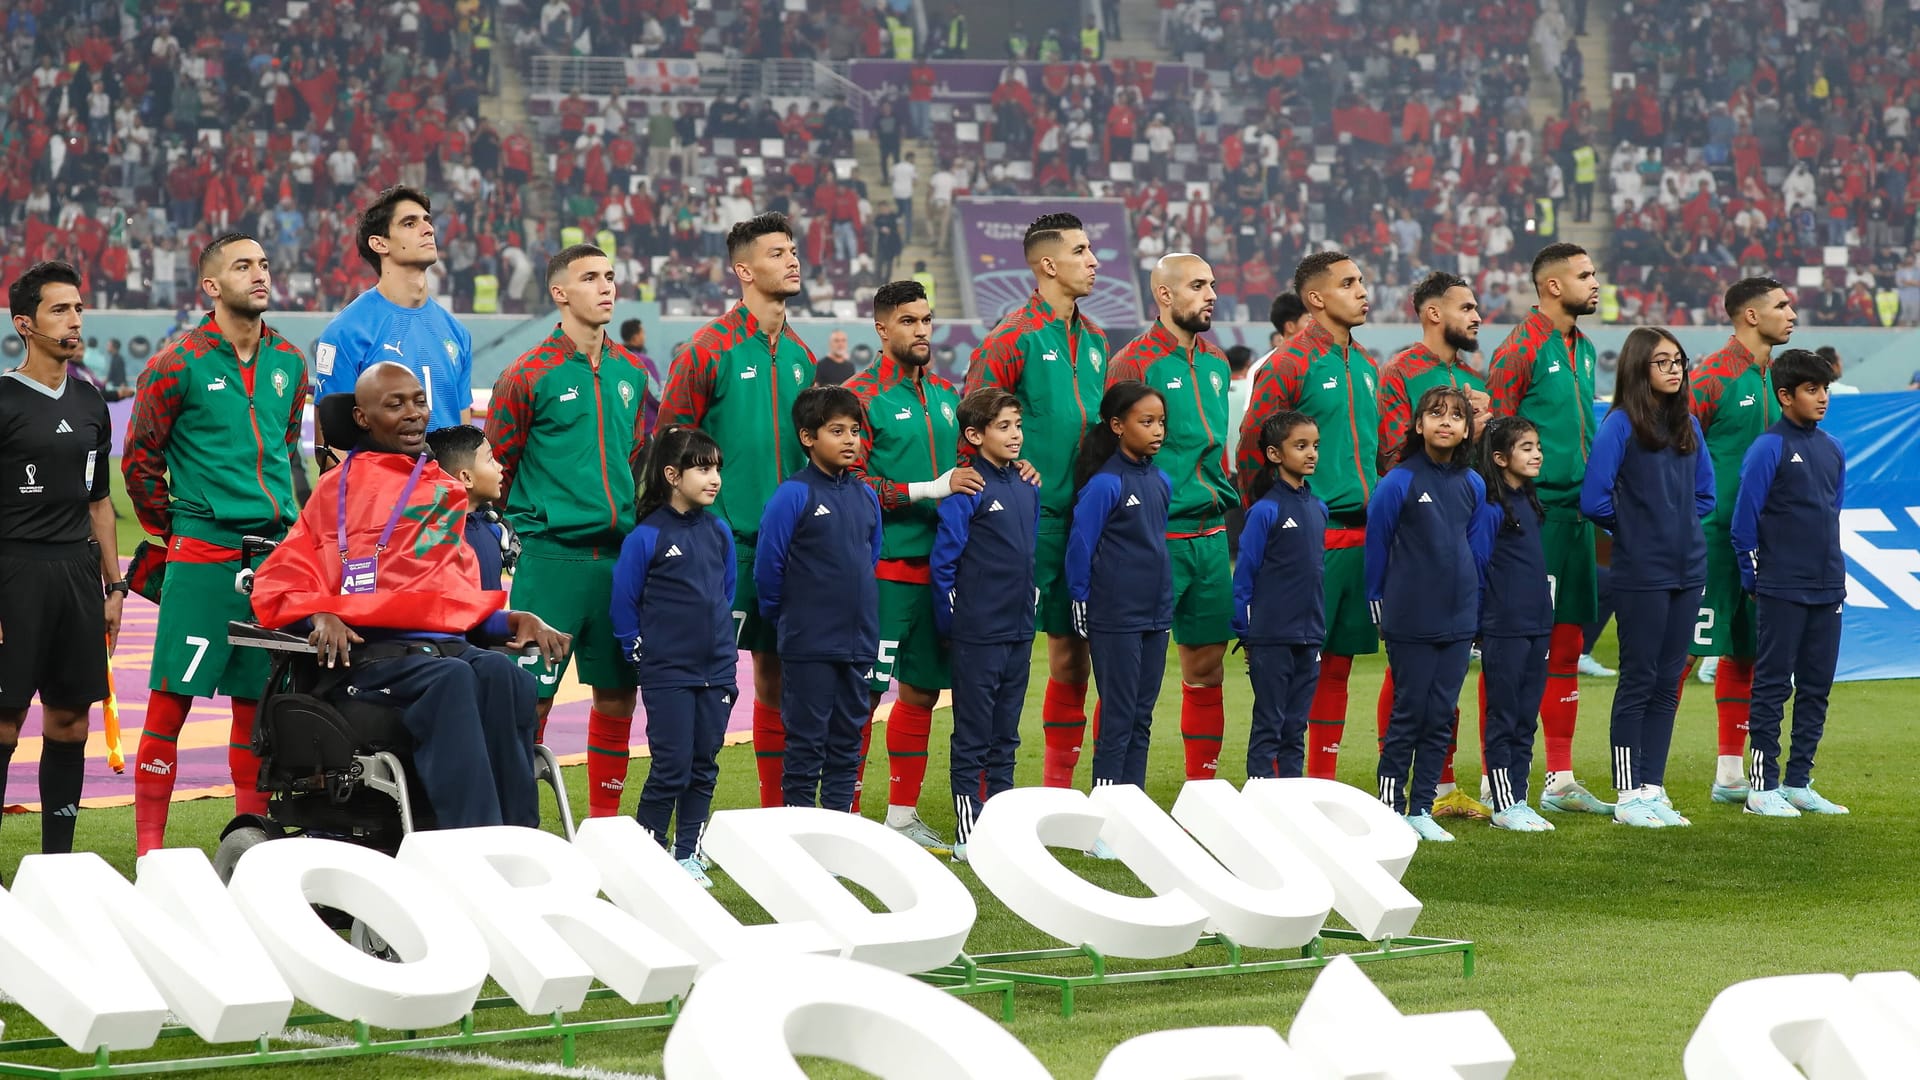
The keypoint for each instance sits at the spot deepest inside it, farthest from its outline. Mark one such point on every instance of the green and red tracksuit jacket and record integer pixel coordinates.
(911, 435)
(1402, 381)
(1534, 376)
(568, 431)
(1337, 386)
(208, 453)
(1056, 365)
(1733, 399)
(737, 383)
(1194, 380)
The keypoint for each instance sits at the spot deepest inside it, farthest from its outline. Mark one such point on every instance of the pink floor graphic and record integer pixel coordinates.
(202, 770)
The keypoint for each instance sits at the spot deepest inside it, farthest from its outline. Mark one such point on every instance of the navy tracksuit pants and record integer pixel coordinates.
(1127, 669)
(1426, 688)
(1655, 627)
(1515, 670)
(1799, 644)
(472, 719)
(1284, 677)
(989, 689)
(824, 705)
(685, 727)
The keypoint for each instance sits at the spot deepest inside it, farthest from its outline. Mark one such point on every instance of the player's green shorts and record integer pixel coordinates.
(910, 649)
(190, 651)
(752, 631)
(1202, 590)
(572, 591)
(1572, 572)
(1726, 625)
(1350, 629)
(1055, 612)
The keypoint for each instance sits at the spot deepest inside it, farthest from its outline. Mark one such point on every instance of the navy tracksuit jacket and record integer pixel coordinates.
(1279, 613)
(1652, 502)
(1516, 625)
(1427, 551)
(1786, 533)
(983, 603)
(672, 614)
(1117, 565)
(819, 544)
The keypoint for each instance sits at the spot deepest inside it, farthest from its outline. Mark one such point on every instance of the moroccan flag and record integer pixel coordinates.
(428, 579)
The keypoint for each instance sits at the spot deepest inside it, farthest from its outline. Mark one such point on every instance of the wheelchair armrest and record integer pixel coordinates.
(529, 649)
(254, 636)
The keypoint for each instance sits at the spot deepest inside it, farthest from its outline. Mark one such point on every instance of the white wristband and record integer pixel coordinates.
(937, 488)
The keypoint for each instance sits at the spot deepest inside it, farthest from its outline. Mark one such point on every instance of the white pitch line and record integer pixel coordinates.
(454, 1057)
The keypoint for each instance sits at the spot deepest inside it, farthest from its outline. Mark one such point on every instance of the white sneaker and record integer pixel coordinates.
(959, 853)
(1594, 668)
(1709, 667)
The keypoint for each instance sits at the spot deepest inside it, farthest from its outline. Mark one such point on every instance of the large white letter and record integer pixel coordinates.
(1008, 849)
(1349, 1030)
(537, 903)
(1795, 1027)
(1267, 895)
(1208, 1053)
(750, 1018)
(1360, 845)
(87, 993)
(785, 857)
(640, 878)
(445, 961)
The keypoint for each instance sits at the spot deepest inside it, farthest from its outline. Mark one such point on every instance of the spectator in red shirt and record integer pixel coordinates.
(920, 99)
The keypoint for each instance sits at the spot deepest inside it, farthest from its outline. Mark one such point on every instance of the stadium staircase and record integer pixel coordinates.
(1139, 33)
(946, 279)
(1543, 102)
(507, 108)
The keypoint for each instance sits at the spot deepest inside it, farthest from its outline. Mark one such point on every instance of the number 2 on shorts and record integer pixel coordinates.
(1701, 628)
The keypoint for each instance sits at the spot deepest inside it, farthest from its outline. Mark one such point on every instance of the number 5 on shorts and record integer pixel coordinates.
(199, 653)
(1701, 628)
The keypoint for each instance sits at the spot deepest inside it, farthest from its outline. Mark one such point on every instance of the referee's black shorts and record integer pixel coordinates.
(53, 626)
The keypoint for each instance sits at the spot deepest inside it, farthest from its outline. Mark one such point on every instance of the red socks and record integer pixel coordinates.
(1560, 705)
(1327, 717)
(1732, 697)
(1383, 712)
(908, 728)
(1203, 724)
(153, 768)
(1063, 716)
(242, 763)
(860, 771)
(769, 752)
(608, 739)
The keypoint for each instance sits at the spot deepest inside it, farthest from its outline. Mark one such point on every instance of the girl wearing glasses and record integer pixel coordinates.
(1648, 458)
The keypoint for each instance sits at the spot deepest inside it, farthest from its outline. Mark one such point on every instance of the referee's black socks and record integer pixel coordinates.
(62, 769)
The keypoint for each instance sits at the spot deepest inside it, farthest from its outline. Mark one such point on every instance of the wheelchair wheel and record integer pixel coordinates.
(239, 838)
(368, 940)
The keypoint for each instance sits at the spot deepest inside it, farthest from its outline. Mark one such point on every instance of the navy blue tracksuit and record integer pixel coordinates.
(1279, 613)
(1117, 565)
(1652, 502)
(672, 614)
(1427, 551)
(1786, 533)
(819, 544)
(983, 602)
(1516, 623)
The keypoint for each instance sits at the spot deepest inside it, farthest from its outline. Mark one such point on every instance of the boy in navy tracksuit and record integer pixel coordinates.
(983, 602)
(1426, 559)
(1786, 534)
(819, 543)
(1119, 575)
(672, 613)
(1278, 607)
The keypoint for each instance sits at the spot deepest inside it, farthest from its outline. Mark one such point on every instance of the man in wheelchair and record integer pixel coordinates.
(377, 566)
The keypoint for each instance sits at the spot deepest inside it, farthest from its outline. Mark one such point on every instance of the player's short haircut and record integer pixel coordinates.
(212, 251)
(568, 256)
(744, 233)
(1433, 287)
(23, 296)
(818, 406)
(1287, 308)
(630, 328)
(1554, 254)
(1744, 293)
(1047, 228)
(377, 219)
(895, 293)
(981, 408)
(454, 447)
(1795, 368)
(1312, 267)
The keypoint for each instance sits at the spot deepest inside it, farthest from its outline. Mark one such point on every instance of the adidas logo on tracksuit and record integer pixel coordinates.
(1133, 500)
(996, 506)
(672, 552)
(1425, 498)
(821, 510)
(1796, 457)
(1291, 524)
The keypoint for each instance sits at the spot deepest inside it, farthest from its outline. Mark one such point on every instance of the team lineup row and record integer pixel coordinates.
(877, 534)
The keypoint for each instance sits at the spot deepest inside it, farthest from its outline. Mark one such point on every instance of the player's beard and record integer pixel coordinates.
(1592, 305)
(908, 357)
(1197, 322)
(783, 291)
(1461, 341)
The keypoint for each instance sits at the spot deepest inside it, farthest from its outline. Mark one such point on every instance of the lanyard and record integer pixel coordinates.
(399, 507)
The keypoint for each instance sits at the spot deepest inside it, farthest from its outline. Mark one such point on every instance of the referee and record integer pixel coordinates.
(56, 544)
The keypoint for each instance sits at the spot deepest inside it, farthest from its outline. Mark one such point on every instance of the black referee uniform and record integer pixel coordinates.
(54, 450)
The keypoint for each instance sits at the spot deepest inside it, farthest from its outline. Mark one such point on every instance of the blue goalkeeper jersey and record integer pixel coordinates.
(427, 339)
